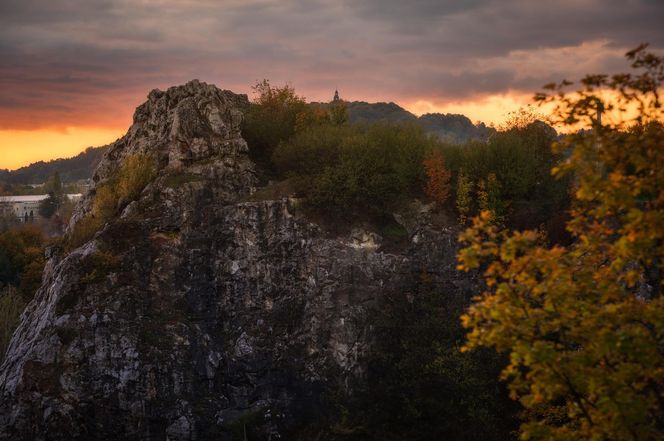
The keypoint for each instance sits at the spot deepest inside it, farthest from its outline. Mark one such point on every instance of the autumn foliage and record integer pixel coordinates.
(438, 177)
(584, 324)
(123, 186)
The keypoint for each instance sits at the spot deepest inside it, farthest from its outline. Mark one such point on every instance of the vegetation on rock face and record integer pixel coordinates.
(21, 266)
(98, 265)
(579, 324)
(583, 324)
(125, 186)
(11, 307)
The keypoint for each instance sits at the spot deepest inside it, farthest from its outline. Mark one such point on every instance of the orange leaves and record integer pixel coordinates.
(438, 177)
(584, 324)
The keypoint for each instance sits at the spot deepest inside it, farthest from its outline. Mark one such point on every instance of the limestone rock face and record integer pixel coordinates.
(195, 313)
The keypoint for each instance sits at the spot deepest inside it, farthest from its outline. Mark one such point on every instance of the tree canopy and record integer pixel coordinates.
(583, 324)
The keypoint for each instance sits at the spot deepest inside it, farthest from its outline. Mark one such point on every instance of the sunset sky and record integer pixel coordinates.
(72, 71)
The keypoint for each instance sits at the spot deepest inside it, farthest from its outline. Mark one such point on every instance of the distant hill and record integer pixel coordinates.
(453, 128)
(360, 111)
(72, 169)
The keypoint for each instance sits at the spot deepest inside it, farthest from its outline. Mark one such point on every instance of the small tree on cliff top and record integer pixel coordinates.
(271, 119)
(438, 177)
(584, 324)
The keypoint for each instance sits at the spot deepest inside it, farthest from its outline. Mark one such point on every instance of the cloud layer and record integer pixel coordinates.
(89, 63)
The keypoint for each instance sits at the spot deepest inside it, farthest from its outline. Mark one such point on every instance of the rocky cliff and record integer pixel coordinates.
(196, 313)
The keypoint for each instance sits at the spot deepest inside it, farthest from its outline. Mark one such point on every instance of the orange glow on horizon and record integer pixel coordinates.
(19, 148)
(491, 110)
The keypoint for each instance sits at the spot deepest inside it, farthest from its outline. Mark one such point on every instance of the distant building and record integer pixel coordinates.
(336, 96)
(27, 207)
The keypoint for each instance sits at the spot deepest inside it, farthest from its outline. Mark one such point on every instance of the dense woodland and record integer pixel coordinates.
(565, 341)
(369, 170)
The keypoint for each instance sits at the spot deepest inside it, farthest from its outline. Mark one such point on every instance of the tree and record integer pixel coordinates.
(22, 259)
(438, 177)
(520, 119)
(271, 119)
(49, 206)
(489, 199)
(55, 185)
(463, 200)
(338, 113)
(583, 324)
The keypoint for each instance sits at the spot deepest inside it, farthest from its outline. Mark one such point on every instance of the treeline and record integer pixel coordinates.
(72, 169)
(372, 169)
(22, 248)
(21, 266)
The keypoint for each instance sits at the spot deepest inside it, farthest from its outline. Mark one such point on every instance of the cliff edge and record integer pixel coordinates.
(194, 313)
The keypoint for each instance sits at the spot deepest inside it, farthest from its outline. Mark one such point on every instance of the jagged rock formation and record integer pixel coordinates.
(196, 314)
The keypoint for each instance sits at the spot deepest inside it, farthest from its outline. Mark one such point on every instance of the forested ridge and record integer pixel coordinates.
(71, 169)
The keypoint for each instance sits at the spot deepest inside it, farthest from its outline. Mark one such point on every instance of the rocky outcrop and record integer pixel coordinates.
(196, 314)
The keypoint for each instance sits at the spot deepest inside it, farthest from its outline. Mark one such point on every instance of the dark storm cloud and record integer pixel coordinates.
(82, 60)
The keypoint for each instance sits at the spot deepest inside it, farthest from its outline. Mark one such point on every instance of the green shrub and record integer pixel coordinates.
(464, 201)
(134, 175)
(394, 231)
(369, 167)
(311, 150)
